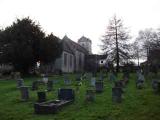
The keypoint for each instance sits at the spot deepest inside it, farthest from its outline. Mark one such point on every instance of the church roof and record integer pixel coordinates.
(84, 39)
(70, 46)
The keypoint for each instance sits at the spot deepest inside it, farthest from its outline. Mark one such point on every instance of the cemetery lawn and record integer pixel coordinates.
(137, 104)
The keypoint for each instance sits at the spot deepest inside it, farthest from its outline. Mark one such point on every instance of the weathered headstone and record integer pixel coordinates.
(20, 82)
(90, 95)
(24, 93)
(99, 86)
(41, 96)
(93, 81)
(49, 85)
(117, 94)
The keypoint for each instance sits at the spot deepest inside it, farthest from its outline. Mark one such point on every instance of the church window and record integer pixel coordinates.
(71, 60)
(65, 59)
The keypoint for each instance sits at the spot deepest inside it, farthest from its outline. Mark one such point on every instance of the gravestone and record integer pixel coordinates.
(140, 81)
(35, 85)
(112, 77)
(55, 81)
(49, 85)
(117, 94)
(66, 94)
(45, 79)
(90, 95)
(99, 86)
(1, 75)
(20, 82)
(78, 77)
(24, 93)
(17, 75)
(101, 77)
(93, 81)
(41, 96)
(88, 76)
(156, 86)
(118, 84)
(67, 81)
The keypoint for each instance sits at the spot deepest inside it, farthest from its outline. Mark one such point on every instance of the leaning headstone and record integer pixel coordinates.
(49, 85)
(90, 95)
(99, 86)
(41, 96)
(117, 94)
(20, 82)
(93, 81)
(24, 93)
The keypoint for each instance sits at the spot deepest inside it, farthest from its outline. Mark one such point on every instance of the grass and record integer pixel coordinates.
(136, 105)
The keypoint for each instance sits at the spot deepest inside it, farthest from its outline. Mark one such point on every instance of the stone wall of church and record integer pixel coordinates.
(67, 62)
(80, 59)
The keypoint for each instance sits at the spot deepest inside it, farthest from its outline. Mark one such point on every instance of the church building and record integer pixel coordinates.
(73, 55)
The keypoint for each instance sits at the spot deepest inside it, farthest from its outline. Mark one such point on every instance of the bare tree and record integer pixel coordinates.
(114, 42)
(148, 39)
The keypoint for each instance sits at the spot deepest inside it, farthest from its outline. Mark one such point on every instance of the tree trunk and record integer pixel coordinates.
(138, 57)
(117, 53)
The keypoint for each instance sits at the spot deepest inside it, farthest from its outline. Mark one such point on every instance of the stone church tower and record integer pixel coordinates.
(86, 43)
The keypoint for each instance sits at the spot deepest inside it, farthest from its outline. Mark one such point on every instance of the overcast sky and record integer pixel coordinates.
(82, 17)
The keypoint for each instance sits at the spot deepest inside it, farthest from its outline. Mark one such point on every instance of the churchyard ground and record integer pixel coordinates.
(137, 104)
